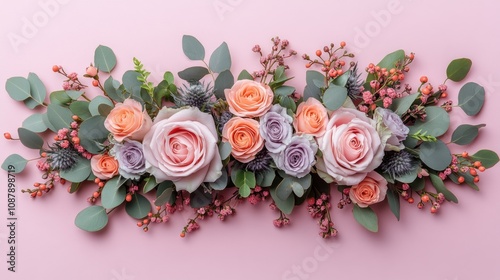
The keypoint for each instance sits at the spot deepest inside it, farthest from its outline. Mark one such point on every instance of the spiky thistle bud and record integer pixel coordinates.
(398, 164)
(196, 94)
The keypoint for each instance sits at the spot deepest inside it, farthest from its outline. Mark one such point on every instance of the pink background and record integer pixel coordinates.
(461, 242)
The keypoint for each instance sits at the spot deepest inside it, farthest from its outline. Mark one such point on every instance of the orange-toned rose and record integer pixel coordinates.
(369, 191)
(244, 137)
(248, 98)
(104, 166)
(128, 121)
(311, 118)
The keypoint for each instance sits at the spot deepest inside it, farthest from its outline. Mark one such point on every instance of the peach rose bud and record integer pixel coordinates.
(104, 166)
(311, 118)
(128, 121)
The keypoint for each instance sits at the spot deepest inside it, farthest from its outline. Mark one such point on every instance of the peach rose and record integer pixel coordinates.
(244, 137)
(128, 121)
(311, 118)
(248, 98)
(104, 166)
(369, 191)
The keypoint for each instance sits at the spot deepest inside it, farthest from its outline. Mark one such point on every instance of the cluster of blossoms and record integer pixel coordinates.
(375, 140)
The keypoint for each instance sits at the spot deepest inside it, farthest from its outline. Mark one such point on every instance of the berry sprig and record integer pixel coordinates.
(331, 63)
(274, 59)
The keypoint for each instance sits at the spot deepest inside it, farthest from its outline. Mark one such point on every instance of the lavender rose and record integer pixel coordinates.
(298, 156)
(276, 129)
(391, 129)
(130, 156)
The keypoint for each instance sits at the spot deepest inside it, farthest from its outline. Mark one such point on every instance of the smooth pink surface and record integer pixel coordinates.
(459, 243)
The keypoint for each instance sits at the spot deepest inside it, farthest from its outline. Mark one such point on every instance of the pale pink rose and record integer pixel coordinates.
(351, 147)
(104, 166)
(128, 120)
(182, 147)
(370, 190)
(311, 118)
(248, 98)
(244, 136)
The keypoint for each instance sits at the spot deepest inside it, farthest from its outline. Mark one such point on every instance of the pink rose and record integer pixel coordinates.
(311, 118)
(244, 136)
(351, 147)
(370, 190)
(127, 120)
(104, 166)
(248, 98)
(182, 147)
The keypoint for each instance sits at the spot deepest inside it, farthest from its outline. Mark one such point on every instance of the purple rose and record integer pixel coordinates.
(298, 156)
(391, 128)
(131, 161)
(276, 129)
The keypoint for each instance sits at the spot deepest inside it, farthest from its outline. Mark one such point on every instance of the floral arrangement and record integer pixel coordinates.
(214, 142)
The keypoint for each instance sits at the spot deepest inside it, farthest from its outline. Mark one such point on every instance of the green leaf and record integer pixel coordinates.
(487, 158)
(393, 199)
(334, 97)
(92, 218)
(440, 188)
(199, 198)
(193, 74)
(47, 123)
(221, 182)
(37, 89)
(458, 69)
(408, 177)
(192, 48)
(79, 172)
(418, 184)
(471, 98)
(315, 78)
(268, 178)
(104, 59)
(139, 207)
(465, 134)
(244, 75)
(59, 97)
(224, 150)
(286, 206)
(436, 123)
(14, 163)
(244, 180)
(96, 102)
(130, 81)
(31, 103)
(59, 117)
(220, 60)
(312, 91)
(401, 105)
(435, 155)
(92, 134)
(223, 81)
(366, 217)
(288, 103)
(341, 80)
(74, 187)
(35, 123)
(284, 90)
(74, 94)
(18, 88)
(285, 188)
(81, 109)
(113, 193)
(149, 185)
(164, 194)
(111, 87)
(390, 60)
(168, 77)
(30, 139)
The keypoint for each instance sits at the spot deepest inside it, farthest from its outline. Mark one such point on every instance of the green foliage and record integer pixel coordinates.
(81, 109)
(401, 105)
(18, 88)
(366, 217)
(165, 193)
(458, 69)
(143, 76)
(220, 60)
(243, 180)
(149, 185)
(423, 136)
(244, 75)
(14, 163)
(465, 134)
(104, 59)
(192, 48)
(471, 98)
(30, 139)
(193, 74)
(59, 117)
(96, 102)
(224, 149)
(37, 89)
(223, 81)
(440, 188)
(394, 204)
(334, 97)
(92, 134)
(200, 198)
(487, 158)
(35, 123)
(113, 193)
(221, 182)
(435, 155)
(286, 206)
(138, 207)
(92, 218)
(79, 172)
(435, 124)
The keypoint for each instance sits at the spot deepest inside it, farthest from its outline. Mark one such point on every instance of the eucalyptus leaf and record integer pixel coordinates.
(74, 94)
(165, 192)
(220, 60)
(289, 103)
(199, 198)
(390, 60)
(81, 109)
(458, 69)
(342, 79)
(18, 88)
(192, 48)
(149, 185)
(471, 98)
(168, 77)
(285, 206)
(245, 75)
(37, 89)
(465, 134)
(193, 74)
(436, 123)
(96, 102)
(221, 182)
(74, 187)
(284, 90)
(59, 97)
(30, 139)
(268, 178)
(394, 204)
(435, 155)
(35, 123)
(104, 59)
(284, 188)
(223, 81)
(334, 97)
(111, 87)
(60, 117)
(130, 81)
(80, 171)
(314, 77)
(138, 207)
(440, 188)
(366, 217)
(113, 194)
(47, 123)
(14, 163)
(418, 184)
(487, 158)
(92, 218)
(401, 105)
(311, 91)
(92, 134)
(224, 150)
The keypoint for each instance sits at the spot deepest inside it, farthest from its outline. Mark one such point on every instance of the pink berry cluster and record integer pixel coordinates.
(258, 194)
(275, 58)
(157, 217)
(331, 62)
(319, 208)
